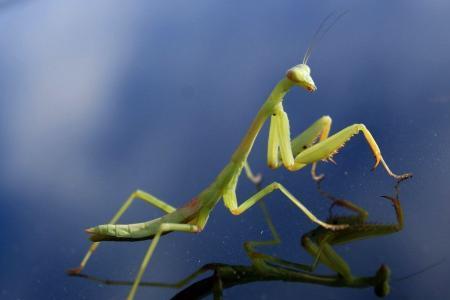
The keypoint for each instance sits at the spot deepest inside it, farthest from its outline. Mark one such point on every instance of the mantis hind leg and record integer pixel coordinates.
(165, 227)
(138, 194)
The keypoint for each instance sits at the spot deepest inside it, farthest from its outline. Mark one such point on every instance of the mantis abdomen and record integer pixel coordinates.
(124, 232)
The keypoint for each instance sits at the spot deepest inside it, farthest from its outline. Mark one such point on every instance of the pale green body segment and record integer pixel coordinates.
(293, 154)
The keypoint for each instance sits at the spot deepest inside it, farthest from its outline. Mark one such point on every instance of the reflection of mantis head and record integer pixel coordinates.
(382, 287)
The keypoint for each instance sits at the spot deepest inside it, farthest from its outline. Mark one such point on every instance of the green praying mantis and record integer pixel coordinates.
(311, 146)
(319, 243)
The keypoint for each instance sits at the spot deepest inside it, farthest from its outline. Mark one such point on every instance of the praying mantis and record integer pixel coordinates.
(311, 146)
(318, 243)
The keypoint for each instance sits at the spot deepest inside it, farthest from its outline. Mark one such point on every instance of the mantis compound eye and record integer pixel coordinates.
(310, 88)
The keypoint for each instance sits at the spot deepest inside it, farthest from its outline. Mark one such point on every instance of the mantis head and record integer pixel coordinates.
(301, 76)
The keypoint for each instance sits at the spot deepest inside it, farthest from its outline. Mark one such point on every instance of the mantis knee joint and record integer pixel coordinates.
(235, 211)
(361, 126)
(137, 192)
(326, 119)
(274, 185)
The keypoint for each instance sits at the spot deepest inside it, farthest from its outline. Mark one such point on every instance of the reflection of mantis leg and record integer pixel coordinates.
(326, 255)
(361, 212)
(258, 258)
(217, 286)
(165, 227)
(138, 194)
(186, 280)
(250, 246)
(321, 247)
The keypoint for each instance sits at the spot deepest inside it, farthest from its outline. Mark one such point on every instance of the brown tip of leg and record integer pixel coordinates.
(74, 271)
(404, 177)
(377, 162)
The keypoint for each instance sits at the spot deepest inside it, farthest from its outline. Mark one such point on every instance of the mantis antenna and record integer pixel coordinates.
(321, 32)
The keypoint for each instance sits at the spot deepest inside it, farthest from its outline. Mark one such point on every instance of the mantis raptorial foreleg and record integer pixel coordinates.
(279, 138)
(317, 132)
(231, 202)
(165, 227)
(138, 194)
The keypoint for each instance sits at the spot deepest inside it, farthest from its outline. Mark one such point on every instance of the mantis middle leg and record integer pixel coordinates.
(230, 201)
(138, 194)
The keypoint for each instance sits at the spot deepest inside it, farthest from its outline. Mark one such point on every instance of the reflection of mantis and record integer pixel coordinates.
(293, 154)
(317, 242)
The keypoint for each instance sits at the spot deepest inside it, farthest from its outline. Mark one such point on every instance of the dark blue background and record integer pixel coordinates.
(100, 98)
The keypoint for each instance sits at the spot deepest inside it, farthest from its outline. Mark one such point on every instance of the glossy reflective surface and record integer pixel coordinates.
(98, 99)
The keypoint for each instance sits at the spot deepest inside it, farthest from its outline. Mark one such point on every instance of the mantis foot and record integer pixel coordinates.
(74, 271)
(403, 177)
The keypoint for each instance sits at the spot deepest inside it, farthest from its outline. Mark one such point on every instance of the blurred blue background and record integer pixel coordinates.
(98, 98)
